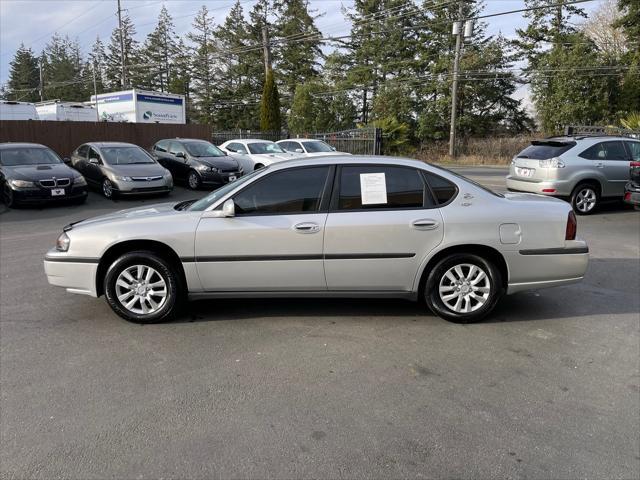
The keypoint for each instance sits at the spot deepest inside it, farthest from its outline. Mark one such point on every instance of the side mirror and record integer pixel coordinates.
(225, 153)
(299, 150)
(180, 155)
(66, 160)
(228, 210)
(333, 148)
(94, 161)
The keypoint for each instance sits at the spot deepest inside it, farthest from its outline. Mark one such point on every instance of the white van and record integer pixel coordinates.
(66, 111)
(10, 110)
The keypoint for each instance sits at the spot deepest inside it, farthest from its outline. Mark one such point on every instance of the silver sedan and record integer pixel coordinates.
(334, 226)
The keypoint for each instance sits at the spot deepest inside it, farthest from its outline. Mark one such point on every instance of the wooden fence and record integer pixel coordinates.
(64, 137)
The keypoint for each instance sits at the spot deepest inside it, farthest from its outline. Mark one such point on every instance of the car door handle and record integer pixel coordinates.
(425, 224)
(307, 227)
(599, 165)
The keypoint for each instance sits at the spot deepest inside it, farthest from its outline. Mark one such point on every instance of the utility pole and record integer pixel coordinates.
(457, 31)
(41, 81)
(95, 92)
(123, 74)
(266, 48)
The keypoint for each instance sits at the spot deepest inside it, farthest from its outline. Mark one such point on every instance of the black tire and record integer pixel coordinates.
(258, 166)
(8, 197)
(167, 308)
(107, 189)
(194, 181)
(585, 198)
(478, 309)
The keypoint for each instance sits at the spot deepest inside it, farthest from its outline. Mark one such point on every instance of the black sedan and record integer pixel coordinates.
(632, 188)
(197, 162)
(31, 173)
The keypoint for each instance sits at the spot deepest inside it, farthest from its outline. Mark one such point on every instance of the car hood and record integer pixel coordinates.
(138, 170)
(275, 156)
(159, 209)
(224, 163)
(39, 172)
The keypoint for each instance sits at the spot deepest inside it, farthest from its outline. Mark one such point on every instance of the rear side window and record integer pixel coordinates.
(605, 151)
(545, 150)
(443, 190)
(634, 150)
(292, 191)
(371, 186)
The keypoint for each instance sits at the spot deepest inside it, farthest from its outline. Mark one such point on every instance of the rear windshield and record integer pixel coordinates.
(11, 157)
(545, 150)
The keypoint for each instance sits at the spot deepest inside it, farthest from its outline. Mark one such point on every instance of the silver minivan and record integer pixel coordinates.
(582, 169)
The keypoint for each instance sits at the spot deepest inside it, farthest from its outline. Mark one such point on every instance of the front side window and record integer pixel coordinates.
(317, 147)
(82, 151)
(125, 156)
(203, 149)
(605, 151)
(237, 147)
(298, 190)
(285, 146)
(11, 157)
(176, 147)
(93, 154)
(161, 146)
(372, 186)
(261, 148)
(634, 150)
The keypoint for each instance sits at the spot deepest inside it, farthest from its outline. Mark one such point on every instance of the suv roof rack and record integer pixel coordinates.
(584, 131)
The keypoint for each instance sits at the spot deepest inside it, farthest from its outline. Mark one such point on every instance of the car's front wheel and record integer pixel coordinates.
(8, 198)
(585, 199)
(463, 288)
(193, 180)
(142, 287)
(107, 189)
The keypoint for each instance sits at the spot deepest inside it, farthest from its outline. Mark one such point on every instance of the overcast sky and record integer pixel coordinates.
(32, 22)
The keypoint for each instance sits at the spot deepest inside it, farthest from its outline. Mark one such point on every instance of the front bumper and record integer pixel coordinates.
(218, 178)
(40, 195)
(543, 268)
(632, 194)
(555, 188)
(143, 187)
(77, 275)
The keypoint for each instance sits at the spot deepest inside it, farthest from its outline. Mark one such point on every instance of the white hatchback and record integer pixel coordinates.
(253, 154)
(306, 147)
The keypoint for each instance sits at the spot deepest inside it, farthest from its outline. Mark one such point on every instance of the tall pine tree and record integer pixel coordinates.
(113, 64)
(158, 53)
(24, 77)
(203, 60)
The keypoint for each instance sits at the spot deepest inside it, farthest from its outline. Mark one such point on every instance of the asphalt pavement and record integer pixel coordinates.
(548, 387)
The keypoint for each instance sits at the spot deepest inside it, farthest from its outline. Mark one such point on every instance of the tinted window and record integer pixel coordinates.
(442, 189)
(291, 191)
(237, 147)
(634, 150)
(82, 151)
(264, 147)
(176, 147)
(203, 149)
(545, 150)
(404, 187)
(317, 147)
(93, 154)
(10, 157)
(605, 151)
(161, 146)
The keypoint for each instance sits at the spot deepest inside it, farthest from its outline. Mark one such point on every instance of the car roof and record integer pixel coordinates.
(595, 138)
(179, 139)
(4, 146)
(249, 140)
(111, 144)
(348, 159)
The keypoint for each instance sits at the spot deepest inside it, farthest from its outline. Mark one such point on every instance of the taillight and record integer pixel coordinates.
(572, 227)
(634, 164)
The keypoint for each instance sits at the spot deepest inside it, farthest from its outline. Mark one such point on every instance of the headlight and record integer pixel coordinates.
(62, 244)
(167, 174)
(124, 179)
(21, 183)
(79, 181)
(551, 163)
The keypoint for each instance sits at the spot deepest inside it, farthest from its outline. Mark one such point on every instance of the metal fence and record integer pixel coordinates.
(64, 137)
(359, 141)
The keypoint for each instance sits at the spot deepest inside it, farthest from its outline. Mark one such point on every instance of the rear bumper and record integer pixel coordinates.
(559, 188)
(543, 268)
(77, 275)
(632, 193)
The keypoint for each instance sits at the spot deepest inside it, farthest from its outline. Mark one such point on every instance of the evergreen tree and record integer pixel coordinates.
(113, 63)
(270, 105)
(629, 96)
(158, 53)
(180, 81)
(316, 109)
(96, 60)
(63, 70)
(203, 57)
(24, 77)
(297, 56)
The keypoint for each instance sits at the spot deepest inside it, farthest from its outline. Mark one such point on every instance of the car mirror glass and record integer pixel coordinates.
(229, 208)
(299, 150)
(94, 161)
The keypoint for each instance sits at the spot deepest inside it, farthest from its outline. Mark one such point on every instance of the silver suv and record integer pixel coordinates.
(582, 169)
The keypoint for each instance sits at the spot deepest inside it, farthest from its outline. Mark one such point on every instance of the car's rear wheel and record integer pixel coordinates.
(463, 288)
(585, 199)
(193, 180)
(107, 189)
(142, 287)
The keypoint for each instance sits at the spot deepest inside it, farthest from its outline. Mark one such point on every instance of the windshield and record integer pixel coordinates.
(203, 149)
(12, 157)
(216, 195)
(317, 147)
(125, 155)
(540, 150)
(264, 148)
(472, 182)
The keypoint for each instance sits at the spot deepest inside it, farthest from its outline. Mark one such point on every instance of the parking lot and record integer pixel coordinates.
(547, 387)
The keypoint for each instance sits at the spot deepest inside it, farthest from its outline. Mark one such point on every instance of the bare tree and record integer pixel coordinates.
(599, 28)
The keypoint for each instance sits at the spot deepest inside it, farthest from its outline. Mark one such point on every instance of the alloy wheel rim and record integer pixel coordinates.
(193, 180)
(464, 288)
(107, 189)
(585, 200)
(141, 289)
